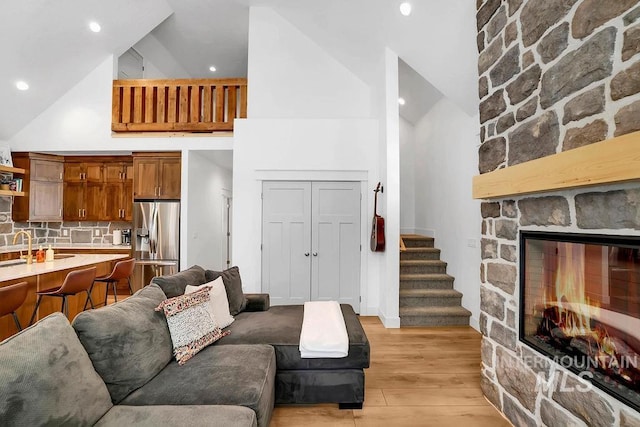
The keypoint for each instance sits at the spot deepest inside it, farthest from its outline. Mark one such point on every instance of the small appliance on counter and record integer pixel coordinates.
(117, 237)
(126, 236)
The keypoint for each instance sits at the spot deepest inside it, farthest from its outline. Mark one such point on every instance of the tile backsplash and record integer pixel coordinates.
(82, 232)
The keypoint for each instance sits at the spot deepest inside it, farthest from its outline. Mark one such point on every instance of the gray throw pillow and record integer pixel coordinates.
(233, 286)
(47, 378)
(128, 342)
(176, 284)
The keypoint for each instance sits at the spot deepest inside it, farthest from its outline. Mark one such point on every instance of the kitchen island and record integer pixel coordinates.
(46, 275)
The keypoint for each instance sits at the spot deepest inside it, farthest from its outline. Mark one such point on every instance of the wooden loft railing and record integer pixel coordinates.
(185, 105)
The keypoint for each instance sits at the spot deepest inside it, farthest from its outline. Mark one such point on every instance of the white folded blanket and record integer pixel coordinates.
(324, 333)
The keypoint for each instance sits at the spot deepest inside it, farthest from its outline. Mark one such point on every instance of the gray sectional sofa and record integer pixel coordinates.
(114, 367)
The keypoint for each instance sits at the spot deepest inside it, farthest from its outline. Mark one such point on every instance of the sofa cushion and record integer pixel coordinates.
(280, 326)
(175, 285)
(233, 286)
(185, 415)
(128, 342)
(218, 305)
(240, 375)
(191, 325)
(46, 378)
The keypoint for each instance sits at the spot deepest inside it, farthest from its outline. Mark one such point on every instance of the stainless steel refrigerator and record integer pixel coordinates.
(155, 240)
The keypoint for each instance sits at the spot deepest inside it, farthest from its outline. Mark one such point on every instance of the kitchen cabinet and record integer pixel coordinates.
(118, 191)
(43, 183)
(99, 190)
(83, 198)
(156, 176)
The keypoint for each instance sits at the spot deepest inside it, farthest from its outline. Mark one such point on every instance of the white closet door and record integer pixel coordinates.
(286, 241)
(335, 240)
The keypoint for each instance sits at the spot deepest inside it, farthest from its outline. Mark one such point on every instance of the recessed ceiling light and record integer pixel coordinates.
(212, 69)
(405, 8)
(95, 27)
(401, 101)
(22, 85)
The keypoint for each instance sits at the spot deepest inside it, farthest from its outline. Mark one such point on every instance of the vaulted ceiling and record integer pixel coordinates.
(49, 45)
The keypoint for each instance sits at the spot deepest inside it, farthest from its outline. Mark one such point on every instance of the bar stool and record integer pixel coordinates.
(122, 270)
(12, 297)
(76, 281)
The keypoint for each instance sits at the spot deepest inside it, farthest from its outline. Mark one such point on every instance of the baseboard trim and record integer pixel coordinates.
(474, 323)
(389, 322)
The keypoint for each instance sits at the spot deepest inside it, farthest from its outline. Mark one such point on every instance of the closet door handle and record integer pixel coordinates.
(306, 254)
(315, 254)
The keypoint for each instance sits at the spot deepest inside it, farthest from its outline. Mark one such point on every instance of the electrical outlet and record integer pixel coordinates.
(65, 233)
(97, 233)
(471, 243)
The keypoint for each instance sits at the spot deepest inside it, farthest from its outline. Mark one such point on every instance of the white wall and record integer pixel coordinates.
(446, 160)
(291, 76)
(305, 150)
(80, 120)
(205, 241)
(309, 119)
(407, 178)
(390, 201)
(158, 61)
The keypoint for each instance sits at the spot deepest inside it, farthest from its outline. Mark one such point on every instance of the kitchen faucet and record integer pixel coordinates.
(29, 256)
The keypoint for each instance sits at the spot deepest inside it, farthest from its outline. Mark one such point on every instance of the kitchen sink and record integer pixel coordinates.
(62, 256)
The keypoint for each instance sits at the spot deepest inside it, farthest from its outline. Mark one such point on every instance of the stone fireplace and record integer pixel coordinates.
(554, 75)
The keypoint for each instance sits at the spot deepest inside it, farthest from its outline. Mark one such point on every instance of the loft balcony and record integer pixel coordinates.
(183, 105)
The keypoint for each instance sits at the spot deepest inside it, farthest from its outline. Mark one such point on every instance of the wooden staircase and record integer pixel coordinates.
(427, 297)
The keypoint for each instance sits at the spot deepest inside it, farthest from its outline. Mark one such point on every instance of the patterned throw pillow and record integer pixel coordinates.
(190, 324)
(218, 304)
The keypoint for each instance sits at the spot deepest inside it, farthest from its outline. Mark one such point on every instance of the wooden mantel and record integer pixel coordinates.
(612, 161)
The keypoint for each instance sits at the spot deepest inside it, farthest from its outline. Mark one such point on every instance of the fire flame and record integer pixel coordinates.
(575, 309)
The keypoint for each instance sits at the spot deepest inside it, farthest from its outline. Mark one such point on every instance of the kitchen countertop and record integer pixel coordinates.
(79, 260)
(94, 246)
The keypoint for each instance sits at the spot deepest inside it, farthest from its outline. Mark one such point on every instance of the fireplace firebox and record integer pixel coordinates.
(580, 306)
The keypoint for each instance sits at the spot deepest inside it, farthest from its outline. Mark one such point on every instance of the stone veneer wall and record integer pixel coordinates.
(554, 75)
(52, 232)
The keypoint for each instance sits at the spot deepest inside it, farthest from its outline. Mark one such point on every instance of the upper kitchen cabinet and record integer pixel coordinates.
(156, 175)
(43, 183)
(99, 189)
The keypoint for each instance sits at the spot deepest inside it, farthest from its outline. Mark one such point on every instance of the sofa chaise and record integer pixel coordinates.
(114, 366)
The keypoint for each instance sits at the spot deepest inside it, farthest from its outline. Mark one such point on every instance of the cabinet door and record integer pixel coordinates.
(145, 179)
(73, 201)
(46, 170)
(127, 200)
(94, 202)
(112, 193)
(73, 172)
(93, 172)
(113, 172)
(128, 171)
(45, 202)
(169, 183)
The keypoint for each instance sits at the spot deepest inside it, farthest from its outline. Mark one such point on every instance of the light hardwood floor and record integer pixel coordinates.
(418, 377)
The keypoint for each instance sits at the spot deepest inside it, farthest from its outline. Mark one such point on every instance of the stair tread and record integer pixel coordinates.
(434, 311)
(415, 237)
(422, 262)
(419, 249)
(430, 293)
(426, 276)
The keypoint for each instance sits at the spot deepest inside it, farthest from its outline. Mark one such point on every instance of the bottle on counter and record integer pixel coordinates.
(40, 255)
(49, 254)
